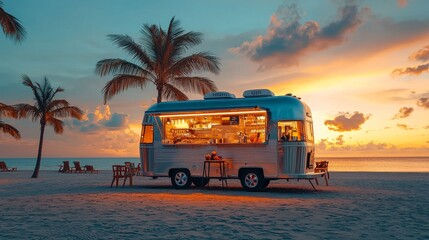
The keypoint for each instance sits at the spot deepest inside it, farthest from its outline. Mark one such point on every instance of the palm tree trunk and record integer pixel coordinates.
(159, 98)
(39, 154)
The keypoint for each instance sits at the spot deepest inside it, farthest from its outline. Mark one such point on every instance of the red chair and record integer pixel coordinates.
(322, 166)
(4, 168)
(77, 168)
(121, 171)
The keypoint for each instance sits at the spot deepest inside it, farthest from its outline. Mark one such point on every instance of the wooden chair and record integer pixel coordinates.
(322, 166)
(65, 168)
(90, 168)
(137, 170)
(4, 168)
(134, 170)
(77, 168)
(121, 171)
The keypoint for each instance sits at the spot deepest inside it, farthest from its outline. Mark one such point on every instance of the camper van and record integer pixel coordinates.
(259, 137)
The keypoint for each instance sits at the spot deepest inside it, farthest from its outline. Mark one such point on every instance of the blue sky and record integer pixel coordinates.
(349, 72)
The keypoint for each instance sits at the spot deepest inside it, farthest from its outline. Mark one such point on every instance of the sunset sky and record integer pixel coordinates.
(361, 66)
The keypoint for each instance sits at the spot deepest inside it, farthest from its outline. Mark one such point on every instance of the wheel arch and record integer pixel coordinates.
(172, 170)
(243, 170)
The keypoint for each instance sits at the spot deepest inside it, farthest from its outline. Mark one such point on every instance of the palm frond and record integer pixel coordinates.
(153, 39)
(12, 27)
(8, 111)
(199, 85)
(27, 110)
(8, 129)
(119, 66)
(132, 48)
(121, 83)
(35, 88)
(67, 111)
(202, 61)
(170, 92)
(57, 124)
(57, 103)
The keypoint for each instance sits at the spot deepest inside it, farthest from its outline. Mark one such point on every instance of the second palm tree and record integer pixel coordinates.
(159, 61)
(47, 110)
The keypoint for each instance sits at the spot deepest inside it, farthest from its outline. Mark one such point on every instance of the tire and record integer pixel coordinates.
(200, 182)
(266, 182)
(252, 180)
(181, 179)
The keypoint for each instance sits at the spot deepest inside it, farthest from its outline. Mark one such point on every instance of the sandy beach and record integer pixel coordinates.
(83, 206)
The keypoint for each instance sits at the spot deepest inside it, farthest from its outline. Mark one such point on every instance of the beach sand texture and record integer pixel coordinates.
(83, 206)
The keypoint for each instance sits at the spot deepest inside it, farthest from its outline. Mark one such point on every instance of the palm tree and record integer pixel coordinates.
(159, 61)
(47, 110)
(8, 111)
(11, 25)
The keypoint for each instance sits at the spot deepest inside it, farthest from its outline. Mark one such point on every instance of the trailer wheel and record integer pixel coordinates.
(252, 180)
(181, 179)
(200, 182)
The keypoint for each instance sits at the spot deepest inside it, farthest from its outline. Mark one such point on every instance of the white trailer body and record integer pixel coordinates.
(268, 136)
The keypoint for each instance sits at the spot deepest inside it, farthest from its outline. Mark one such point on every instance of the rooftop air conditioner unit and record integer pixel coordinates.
(218, 95)
(258, 93)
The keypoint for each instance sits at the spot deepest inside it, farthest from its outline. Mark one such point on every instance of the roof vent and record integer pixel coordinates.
(218, 95)
(258, 93)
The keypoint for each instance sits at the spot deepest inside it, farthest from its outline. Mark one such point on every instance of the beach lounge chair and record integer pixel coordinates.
(90, 168)
(4, 168)
(65, 168)
(322, 166)
(121, 171)
(77, 168)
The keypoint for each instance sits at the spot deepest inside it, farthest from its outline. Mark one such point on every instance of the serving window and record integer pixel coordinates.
(229, 127)
(295, 131)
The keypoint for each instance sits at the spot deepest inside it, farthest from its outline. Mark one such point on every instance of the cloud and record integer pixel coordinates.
(423, 102)
(411, 70)
(345, 122)
(404, 126)
(326, 145)
(340, 140)
(389, 95)
(100, 119)
(287, 40)
(421, 55)
(402, 3)
(404, 112)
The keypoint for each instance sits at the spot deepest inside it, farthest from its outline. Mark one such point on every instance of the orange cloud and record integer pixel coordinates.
(326, 145)
(345, 122)
(421, 55)
(423, 102)
(100, 120)
(404, 126)
(411, 70)
(404, 112)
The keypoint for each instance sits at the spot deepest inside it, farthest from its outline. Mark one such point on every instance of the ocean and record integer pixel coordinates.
(349, 164)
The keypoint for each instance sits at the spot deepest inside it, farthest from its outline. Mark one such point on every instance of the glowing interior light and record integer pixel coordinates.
(211, 113)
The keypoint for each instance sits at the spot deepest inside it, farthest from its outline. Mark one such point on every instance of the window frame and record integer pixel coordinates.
(144, 132)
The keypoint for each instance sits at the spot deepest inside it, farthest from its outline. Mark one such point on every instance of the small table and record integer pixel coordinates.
(222, 170)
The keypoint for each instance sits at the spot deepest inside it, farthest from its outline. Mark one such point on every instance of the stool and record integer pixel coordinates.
(222, 170)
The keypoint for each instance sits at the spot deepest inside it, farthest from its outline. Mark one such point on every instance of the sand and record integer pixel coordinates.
(83, 206)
